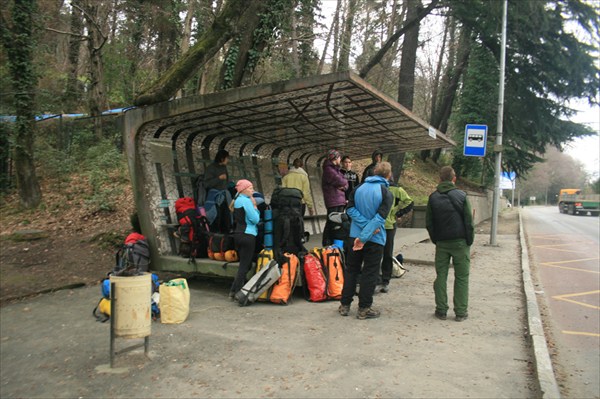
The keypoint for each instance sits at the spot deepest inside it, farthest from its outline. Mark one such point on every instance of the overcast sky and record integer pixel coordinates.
(587, 149)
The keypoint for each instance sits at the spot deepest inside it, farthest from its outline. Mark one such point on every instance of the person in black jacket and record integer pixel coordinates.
(450, 226)
(349, 174)
(216, 175)
(376, 157)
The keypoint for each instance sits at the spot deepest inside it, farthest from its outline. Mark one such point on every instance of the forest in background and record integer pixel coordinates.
(438, 58)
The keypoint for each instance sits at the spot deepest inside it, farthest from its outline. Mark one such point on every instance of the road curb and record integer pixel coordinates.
(543, 365)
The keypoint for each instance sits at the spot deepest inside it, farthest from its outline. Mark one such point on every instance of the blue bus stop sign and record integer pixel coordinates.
(475, 140)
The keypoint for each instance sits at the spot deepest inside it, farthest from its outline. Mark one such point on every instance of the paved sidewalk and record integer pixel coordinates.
(52, 347)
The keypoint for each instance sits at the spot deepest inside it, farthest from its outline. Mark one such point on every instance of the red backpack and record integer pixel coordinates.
(192, 230)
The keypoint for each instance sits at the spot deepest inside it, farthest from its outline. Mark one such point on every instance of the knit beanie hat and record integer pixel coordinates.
(333, 154)
(242, 184)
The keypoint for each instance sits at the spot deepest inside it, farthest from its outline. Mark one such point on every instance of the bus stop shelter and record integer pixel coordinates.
(263, 128)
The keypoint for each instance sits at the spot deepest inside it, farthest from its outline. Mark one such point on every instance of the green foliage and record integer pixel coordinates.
(595, 186)
(476, 105)
(546, 65)
(101, 164)
(230, 63)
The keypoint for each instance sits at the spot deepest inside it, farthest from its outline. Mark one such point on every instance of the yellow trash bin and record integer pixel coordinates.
(133, 313)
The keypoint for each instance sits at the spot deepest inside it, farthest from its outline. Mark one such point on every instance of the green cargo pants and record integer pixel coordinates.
(460, 253)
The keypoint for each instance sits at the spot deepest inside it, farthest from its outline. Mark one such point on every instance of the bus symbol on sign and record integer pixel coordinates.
(475, 140)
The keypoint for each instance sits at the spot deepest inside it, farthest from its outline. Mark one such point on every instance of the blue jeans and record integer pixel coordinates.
(368, 259)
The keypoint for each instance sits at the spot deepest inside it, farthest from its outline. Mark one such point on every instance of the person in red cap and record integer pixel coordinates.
(334, 186)
(246, 217)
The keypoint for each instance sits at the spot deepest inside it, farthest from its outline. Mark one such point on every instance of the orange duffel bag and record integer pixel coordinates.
(333, 265)
(282, 291)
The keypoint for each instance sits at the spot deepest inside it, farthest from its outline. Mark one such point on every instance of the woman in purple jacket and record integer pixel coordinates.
(334, 186)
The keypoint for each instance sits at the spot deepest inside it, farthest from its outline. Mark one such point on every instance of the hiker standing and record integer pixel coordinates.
(216, 175)
(298, 178)
(349, 174)
(334, 186)
(450, 226)
(246, 216)
(401, 206)
(376, 157)
(368, 208)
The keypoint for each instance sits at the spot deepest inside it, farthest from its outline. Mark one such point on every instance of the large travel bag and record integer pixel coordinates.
(259, 283)
(283, 289)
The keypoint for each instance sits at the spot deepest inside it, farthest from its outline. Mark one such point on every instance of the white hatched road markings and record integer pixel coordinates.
(559, 264)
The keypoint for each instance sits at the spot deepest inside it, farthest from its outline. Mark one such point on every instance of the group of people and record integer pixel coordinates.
(373, 206)
(449, 224)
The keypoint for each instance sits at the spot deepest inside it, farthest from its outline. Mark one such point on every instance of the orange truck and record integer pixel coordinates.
(573, 202)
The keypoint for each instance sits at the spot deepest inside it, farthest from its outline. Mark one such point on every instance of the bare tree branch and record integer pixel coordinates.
(388, 44)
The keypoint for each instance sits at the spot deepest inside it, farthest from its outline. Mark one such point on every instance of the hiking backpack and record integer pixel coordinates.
(133, 257)
(288, 220)
(222, 247)
(192, 230)
(199, 191)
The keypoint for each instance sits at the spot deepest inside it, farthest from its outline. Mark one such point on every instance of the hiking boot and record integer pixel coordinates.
(385, 288)
(440, 315)
(344, 310)
(462, 317)
(367, 313)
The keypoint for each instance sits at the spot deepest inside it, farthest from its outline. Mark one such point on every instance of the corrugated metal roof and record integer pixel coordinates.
(305, 116)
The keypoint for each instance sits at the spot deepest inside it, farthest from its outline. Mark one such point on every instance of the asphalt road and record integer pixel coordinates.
(52, 347)
(564, 252)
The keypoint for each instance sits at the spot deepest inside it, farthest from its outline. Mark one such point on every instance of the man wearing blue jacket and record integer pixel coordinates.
(368, 207)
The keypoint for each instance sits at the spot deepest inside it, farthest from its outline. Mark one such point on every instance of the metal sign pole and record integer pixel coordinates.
(498, 145)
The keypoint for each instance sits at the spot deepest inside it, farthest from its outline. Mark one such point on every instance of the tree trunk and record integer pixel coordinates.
(18, 41)
(346, 39)
(73, 91)
(238, 65)
(295, 57)
(207, 46)
(387, 61)
(464, 50)
(136, 17)
(96, 39)
(336, 35)
(329, 34)
(167, 27)
(409, 23)
(406, 76)
(306, 31)
(187, 34)
(438, 71)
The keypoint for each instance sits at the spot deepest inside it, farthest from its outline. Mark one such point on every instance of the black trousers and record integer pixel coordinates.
(244, 245)
(369, 259)
(388, 254)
